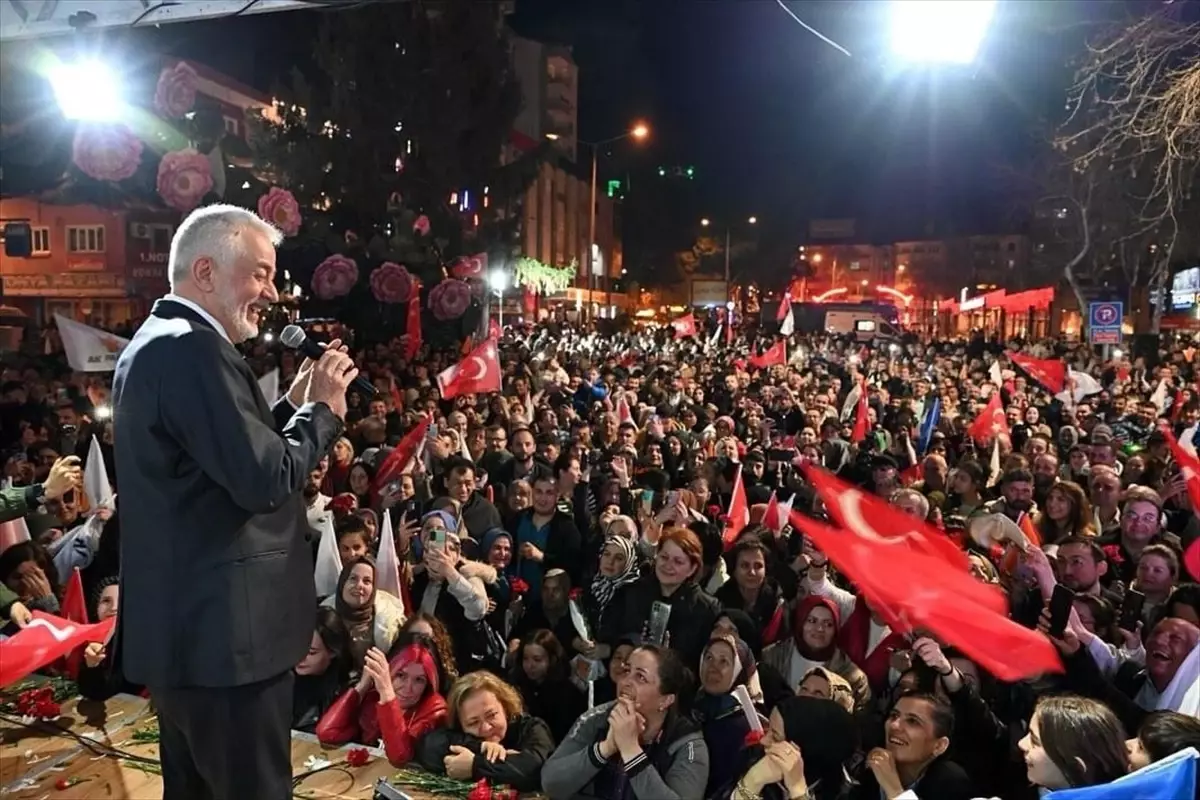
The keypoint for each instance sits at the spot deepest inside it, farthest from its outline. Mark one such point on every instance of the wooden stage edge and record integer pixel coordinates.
(38, 763)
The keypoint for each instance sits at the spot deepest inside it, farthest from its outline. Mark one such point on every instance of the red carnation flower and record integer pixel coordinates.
(575, 594)
(752, 738)
(1113, 553)
(38, 703)
(712, 511)
(505, 793)
(481, 791)
(518, 586)
(344, 503)
(358, 757)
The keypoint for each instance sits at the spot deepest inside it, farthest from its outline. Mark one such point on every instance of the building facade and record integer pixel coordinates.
(549, 82)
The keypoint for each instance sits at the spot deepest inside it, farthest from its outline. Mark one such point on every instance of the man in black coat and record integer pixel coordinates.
(217, 590)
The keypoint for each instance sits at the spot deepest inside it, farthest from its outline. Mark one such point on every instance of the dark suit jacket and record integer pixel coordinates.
(216, 575)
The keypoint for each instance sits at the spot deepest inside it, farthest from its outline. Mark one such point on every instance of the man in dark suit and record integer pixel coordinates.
(217, 592)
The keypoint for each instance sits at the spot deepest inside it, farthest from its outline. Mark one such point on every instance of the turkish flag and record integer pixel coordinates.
(412, 343)
(850, 508)
(400, 459)
(43, 641)
(74, 608)
(924, 592)
(739, 512)
(1189, 467)
(623, 413)
(990, 422)
(774, 355)
(494, 329)
(862, 418)
(478, 373)
(785, 307)
(1049, 372)
(684, 326)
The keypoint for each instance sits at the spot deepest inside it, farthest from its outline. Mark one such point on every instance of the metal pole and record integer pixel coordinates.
(728, 288)
(592, 236)
(500, 311)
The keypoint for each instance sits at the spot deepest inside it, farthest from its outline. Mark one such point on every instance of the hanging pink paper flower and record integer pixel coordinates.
(421, 226)
(184, 177)
(176, 91)
(391, 283)
(106, 152)
(449, 299)
(279, 207)
(334, 277)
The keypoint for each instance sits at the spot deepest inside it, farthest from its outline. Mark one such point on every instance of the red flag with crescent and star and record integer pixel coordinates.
(401, 459)
(1049, 372)
(412, 341)
(991, 421)
(775, 355)
(478, 373)
(684, 326)
(915, 590)
(43, 641)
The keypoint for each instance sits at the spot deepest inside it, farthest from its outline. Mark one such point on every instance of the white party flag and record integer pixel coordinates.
(89, 349)
(329, 560)
(95, 478)
(269, 385)
(387, 565)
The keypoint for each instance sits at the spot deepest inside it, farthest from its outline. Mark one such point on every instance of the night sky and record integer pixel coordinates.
(777, 123)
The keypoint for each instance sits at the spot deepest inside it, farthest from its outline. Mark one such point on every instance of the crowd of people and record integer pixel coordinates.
(568, 615)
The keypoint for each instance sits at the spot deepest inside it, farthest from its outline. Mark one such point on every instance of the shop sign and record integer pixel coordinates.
(64, 284)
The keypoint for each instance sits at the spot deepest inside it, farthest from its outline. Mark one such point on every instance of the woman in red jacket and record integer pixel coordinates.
(398, 700)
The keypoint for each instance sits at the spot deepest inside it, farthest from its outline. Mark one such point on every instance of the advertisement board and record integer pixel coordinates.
(1185, 289)
(709, 293)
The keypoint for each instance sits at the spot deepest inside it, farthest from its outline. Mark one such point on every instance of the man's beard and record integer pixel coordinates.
(311, 490)
(235, 312)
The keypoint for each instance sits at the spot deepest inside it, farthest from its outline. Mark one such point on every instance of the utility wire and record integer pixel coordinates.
(813, 30)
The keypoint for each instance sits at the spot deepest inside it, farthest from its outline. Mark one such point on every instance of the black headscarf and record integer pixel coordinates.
(748, 632)
(826, 735)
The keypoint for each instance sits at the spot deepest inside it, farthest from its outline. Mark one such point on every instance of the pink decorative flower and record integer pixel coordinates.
(176, 91)
(279, 207)
(106, 152)
(421, 225)
(184, 177)
(449, 299)
(391, 283)
(334, 277)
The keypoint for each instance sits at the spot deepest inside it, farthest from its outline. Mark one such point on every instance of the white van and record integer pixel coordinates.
(864, 325)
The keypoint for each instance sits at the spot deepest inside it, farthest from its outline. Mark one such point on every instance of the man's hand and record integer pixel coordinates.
(65, 475)
(331, 377)
(93, 654)
(298, 394)
(532, 552)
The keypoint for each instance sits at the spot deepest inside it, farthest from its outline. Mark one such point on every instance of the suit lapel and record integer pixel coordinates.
(169, 309)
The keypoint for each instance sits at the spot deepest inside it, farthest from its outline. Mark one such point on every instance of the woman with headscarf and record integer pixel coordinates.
(725, 665)
(618, 567)
(772, 685)
(454, 589)
(814, 644)
(372, 618)
(803, 751)
(398, 700)
(495, 550)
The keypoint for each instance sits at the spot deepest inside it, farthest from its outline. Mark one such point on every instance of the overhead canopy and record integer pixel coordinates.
(29, 19)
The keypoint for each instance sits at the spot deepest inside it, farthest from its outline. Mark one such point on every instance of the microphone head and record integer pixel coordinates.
(292, 336)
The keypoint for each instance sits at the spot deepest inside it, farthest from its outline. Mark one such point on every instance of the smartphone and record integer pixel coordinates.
(437, 539)
(660, 615)
(672, 498)
(1131, 610)
(433, 431)
(1060, 610)
(647, 501)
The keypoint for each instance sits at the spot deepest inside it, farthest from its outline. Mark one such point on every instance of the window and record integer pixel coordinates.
(39, 241)
(231, 126)
(85, 238)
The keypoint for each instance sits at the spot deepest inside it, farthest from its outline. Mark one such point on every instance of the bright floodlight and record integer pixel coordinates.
(753, 220)
(940, 31)
(86, 90)
(640, 131)
(498, 280)
(704, 222)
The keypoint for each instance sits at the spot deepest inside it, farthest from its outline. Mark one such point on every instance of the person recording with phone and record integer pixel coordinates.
(16, 501)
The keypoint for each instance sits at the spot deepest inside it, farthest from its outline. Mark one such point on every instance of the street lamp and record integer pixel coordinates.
(639, 131)
(86, 90)
(498, 280)
(940, 31)
(704, 223)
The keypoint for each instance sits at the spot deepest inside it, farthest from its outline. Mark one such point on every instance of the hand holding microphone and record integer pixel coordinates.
(326, 375)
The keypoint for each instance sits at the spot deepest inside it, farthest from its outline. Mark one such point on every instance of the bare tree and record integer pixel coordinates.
(1132, 138)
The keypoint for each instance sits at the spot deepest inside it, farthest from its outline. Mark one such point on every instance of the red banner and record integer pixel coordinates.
(43, 641)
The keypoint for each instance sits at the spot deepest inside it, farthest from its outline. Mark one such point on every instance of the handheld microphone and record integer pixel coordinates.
(294, 337)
